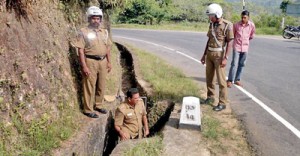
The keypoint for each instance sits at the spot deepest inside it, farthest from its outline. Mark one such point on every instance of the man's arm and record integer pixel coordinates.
(123, 135)
(145, 123)
(252, 33)
(204, 54)
(119, 118)
(229, 40)
(108, 58)
(228, 48)
(85, 69)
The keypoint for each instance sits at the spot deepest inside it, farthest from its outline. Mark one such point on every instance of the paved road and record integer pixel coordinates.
(272, 76)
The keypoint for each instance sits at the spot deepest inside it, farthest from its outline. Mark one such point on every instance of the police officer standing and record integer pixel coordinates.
(94, 47)
(220, 39)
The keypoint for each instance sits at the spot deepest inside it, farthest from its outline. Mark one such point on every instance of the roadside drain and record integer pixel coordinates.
(158, 113)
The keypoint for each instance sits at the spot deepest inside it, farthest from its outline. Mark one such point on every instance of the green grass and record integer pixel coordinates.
(148, 147)
(268, 31)
(212, 128)
(186, 26)
(39, 136)
(167, 81)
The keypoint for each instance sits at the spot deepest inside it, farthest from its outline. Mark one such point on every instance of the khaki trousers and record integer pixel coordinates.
(94, 84)
(213, 62)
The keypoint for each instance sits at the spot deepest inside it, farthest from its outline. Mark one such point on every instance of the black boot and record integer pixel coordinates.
(208, 101)
(219, 107)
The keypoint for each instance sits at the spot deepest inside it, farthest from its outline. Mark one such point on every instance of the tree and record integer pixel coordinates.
(283, 7)
(143, 12)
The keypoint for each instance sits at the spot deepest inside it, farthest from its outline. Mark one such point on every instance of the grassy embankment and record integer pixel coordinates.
(186, 26)
(170, 83)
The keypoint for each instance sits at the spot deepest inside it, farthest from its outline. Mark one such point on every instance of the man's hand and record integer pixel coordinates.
(203, 59)
(109, 66)
(146, 132)
(223, 62)
(86, 71)
(124, 136)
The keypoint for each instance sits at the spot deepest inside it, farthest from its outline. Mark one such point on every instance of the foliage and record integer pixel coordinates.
(183, 12)
(154, 11)
(112, 4)
(283, 6)
(190, 10)
(268, 20)
(21, 8)
(72, 9)
(142, 12)
(39, 136)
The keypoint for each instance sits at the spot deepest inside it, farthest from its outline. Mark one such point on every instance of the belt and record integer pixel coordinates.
(215, 49)
(95, 57)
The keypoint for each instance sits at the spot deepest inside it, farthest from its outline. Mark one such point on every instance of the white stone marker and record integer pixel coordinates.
(190, 116)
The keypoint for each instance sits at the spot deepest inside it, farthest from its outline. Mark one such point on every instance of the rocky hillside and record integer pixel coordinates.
(38, 76)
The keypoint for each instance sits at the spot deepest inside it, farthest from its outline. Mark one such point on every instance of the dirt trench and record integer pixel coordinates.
(158, 113)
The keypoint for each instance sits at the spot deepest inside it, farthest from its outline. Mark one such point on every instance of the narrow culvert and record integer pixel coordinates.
(158, 112)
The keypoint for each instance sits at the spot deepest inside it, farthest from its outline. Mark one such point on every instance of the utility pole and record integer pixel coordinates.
(243, 4)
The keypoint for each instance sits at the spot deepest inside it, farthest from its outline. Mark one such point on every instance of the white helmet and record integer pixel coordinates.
(214, 9)
(94, 11)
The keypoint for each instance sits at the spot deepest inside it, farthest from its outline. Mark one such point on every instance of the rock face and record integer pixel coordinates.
(40, 81)
(37, 76)
(96, 136)
(35, 60)
(90, 141)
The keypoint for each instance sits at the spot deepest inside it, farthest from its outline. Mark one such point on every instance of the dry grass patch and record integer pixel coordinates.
(148, 147)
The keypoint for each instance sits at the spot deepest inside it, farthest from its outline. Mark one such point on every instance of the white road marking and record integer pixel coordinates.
(269, 110)
(183, 54)
(260, 103)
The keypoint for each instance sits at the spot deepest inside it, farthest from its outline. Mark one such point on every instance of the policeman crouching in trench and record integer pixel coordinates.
(220, 36)
(131, 117)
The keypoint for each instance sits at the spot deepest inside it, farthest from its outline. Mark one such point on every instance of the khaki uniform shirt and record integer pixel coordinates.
(223, 31)
(130, 118)
(93, 41)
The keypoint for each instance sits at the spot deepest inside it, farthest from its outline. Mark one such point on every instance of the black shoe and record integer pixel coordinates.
(208, 101)
(219, 107)
(91, 115)
(101, 110)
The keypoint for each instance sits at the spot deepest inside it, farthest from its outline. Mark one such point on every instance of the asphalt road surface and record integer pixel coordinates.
(269, 102)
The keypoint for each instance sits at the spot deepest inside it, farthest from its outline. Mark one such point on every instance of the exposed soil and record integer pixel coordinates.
(38, 72)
